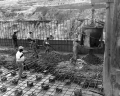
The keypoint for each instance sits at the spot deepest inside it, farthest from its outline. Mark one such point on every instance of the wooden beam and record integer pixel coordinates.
(111, 73)
(98, 1)
(101, 1)
(115, 49)
(80, 6)
(107, 56)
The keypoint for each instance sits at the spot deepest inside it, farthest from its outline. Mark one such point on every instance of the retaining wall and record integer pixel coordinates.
(58, 45)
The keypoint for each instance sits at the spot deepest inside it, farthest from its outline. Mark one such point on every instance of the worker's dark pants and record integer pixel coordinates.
(15, 44)
(20, 66)
(35, 52)
(30, 43)
(47, 48)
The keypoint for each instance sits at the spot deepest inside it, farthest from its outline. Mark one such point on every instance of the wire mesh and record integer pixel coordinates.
(67, 90)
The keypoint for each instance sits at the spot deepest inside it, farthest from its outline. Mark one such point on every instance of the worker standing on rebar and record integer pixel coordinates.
(30, 39)
(35, 48)
(20, 58)
(14, 38)
(46, 44)
(76, 47)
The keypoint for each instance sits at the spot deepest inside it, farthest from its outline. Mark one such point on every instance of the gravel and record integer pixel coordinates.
(92, 59)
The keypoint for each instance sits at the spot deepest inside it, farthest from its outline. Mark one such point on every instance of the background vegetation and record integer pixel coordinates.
(64, 23)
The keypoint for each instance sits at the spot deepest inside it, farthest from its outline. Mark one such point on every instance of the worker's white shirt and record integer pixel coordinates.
(29, 36)
(46, 42)
(18, 57)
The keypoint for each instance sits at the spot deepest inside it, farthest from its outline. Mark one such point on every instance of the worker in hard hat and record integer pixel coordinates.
(30, 39)
(76, 46)
(35, 47)
(46, 44)
(20, 58)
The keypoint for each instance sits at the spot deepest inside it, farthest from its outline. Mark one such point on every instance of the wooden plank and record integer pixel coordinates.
(98, 1)
(111, 73)
(115, 49)
(101, 1)
(80, 6)
(107, 56)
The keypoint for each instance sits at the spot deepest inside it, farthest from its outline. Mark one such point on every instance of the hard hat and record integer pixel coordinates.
(20, 47)
(15, 31)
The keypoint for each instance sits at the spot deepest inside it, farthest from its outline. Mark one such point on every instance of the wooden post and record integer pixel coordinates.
(115, 49)
(111, 73)
(106, 67)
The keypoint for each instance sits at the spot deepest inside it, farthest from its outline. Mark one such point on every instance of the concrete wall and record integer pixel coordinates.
(58, 45)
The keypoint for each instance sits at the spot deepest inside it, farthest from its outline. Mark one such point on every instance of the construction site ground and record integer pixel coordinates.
(67, 90)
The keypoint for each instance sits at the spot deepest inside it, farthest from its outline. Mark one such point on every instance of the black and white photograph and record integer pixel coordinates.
(59, 48)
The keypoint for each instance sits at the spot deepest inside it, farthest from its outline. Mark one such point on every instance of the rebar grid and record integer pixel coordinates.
(68, 90)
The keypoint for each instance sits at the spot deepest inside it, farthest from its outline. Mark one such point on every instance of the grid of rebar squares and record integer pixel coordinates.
(68, 90)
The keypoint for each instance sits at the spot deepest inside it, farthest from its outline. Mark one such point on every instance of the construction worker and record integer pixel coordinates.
(30, 39)
(14, 38)
(46, 44)
(20, 58)
(76, 47)
(35, 48)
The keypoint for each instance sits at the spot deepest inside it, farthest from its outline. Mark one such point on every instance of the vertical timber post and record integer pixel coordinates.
(111, 68)
(107, 56)
(115, 49)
